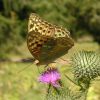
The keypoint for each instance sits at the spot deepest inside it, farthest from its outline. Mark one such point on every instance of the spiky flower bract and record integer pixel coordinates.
(86, 66)
(50, 76)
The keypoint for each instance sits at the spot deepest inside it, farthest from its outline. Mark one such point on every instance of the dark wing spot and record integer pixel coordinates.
(48, 31)
(43, 30)
(63, 32)
(58, 30)
(39, 45)
(31, 25)
(40, 28)
(36, 29)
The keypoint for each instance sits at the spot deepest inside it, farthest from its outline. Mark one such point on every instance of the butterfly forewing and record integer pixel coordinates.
(46, 41)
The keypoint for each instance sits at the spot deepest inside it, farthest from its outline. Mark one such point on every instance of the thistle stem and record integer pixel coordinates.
(48, 91)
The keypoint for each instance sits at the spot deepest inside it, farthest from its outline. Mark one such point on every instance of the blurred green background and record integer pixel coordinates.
(80, 17)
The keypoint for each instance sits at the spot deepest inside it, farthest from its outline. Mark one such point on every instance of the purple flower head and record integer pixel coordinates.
(50, 76)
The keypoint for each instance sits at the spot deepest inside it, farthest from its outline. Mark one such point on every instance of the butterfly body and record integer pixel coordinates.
(46, 41)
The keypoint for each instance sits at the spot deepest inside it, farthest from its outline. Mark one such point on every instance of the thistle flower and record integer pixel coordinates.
(50, 76)
(86, 66)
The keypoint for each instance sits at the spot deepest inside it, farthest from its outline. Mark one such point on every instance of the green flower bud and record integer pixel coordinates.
(86, 66)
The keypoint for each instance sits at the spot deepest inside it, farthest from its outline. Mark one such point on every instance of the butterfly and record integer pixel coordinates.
(45, 41)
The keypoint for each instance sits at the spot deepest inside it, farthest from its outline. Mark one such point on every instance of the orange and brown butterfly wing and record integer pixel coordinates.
(39, 31)
(46, 41)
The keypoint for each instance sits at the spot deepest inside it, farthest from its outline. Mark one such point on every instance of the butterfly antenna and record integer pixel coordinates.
(38, 70)
(34, 62)
(25, 68)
